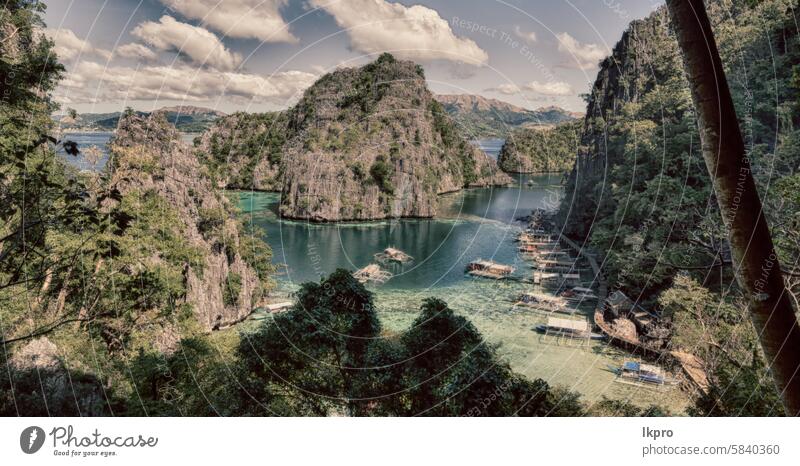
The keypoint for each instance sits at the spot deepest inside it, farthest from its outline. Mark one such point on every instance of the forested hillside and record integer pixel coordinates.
(640, 192)
(479, 117)
(541, 150)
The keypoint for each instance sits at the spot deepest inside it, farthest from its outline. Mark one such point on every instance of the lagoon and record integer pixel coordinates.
(474, 223)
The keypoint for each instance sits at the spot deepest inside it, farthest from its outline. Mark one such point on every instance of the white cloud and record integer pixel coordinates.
(136, 52)
(257, 19)
(92, 82)
(68, 46)
(558, 88)
(194, 42)
(507, 89)
(529, 37)
(376, 26)
(582, 56)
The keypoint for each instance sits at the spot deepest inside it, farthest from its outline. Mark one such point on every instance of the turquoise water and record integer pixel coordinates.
(474, 223)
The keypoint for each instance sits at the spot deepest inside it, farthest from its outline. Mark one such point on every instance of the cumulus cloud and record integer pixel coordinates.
(194, 42)
(506, 89)
(136, 52)
(68, 46)
(556, 88)
(529, 37)
(93, 82)
(377, 26)
(256, 19)
(582, 56)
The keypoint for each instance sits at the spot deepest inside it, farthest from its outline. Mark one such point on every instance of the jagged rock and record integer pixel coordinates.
(148, 156)
(44, 386)
(40, 353)
(372, 143)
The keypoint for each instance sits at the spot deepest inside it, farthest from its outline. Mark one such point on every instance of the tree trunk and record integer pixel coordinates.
(754, 258)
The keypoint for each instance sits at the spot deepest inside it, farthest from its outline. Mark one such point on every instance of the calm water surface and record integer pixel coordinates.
(475, 223)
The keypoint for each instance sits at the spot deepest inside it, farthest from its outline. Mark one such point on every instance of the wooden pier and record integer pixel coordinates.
(690, 364)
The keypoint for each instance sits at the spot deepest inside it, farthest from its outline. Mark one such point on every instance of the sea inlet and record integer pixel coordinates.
(474, 223)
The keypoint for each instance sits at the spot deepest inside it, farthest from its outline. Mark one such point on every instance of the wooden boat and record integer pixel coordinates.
(489, 269)
(273, 308)
(551, 265)
(535, 237)
(578, 329)
(643, 373)
(544, 302)
(556, 279)
(391, 254)
(578, 294)
(279, 307)
(372, 274)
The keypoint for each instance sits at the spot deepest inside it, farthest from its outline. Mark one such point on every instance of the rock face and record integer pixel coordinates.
(371, 143)
(46, 387)
(149, 158)
(541, 150)
(645, 56)
(245, 150)
(479, 117)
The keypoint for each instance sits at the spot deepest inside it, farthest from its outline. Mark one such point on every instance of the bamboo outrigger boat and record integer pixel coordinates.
(544, 302)
(391, 254)
(372, 274)
(556, 279)
(578, 294)
(578, 329)
(555, 265)
(529, 236)
(489, 269)
(643, 373)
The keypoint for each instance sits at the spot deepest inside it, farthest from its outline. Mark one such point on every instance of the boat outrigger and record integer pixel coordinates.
(489, 269)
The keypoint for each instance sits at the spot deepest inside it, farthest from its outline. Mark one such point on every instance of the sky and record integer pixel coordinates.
(258, 55)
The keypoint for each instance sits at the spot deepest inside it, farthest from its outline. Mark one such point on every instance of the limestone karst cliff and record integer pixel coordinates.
(361, 144)
(150, 164)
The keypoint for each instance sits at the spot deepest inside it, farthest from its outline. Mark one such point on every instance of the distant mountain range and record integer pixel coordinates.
(481, 117)
(186, 118)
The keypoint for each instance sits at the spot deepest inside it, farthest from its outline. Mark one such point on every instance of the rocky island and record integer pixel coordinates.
(361, 144)
(541, 150)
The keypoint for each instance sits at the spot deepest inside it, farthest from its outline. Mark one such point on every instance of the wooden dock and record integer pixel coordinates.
(690, 364)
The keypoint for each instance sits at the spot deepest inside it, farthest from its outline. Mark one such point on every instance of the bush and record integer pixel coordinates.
(231, 289)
